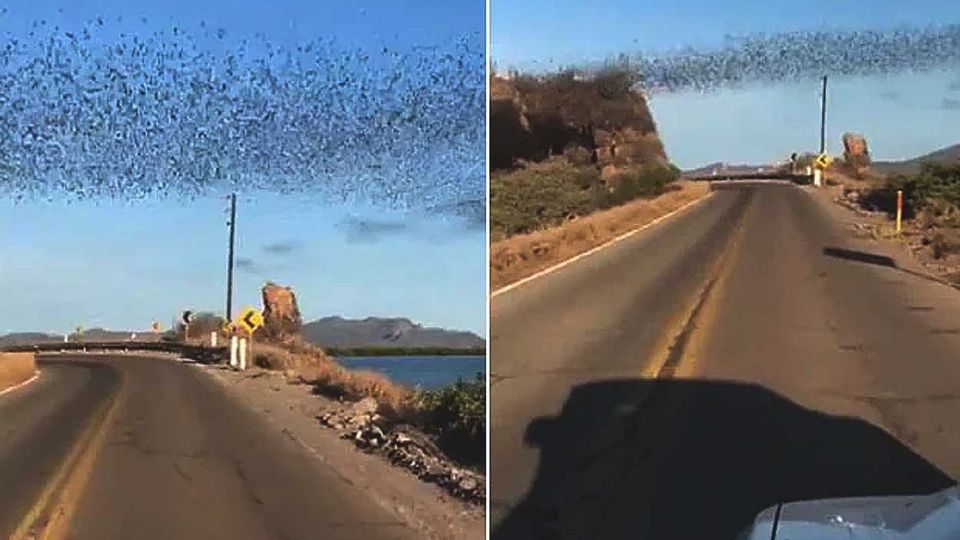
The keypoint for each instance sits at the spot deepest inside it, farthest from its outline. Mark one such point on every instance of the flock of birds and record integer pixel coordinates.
(768, 58)
(84, 115)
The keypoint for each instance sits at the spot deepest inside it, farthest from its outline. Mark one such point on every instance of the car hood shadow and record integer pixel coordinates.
(635, 458)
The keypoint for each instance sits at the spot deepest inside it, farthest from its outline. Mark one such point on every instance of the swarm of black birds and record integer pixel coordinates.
(83, 115)
(793, 56)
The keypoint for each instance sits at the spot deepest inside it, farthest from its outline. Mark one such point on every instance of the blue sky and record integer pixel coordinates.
(119, 264)
(902, 114)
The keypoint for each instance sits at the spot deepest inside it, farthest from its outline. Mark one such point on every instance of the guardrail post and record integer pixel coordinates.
(243, 354)
(233, 351)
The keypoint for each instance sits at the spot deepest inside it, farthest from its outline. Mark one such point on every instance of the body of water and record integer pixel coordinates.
(427, 372)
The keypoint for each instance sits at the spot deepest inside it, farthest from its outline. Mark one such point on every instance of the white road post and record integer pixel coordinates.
(233, 351)
(243, 354)
(818, 178)
(213, 339)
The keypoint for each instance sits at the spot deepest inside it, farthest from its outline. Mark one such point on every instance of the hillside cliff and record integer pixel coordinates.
(601, 120)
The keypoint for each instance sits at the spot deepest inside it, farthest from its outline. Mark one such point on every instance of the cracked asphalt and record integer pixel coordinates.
(632, 400)
(180, 459)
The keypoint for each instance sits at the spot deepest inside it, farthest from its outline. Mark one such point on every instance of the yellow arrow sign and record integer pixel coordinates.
(823, 161)
(249, 319)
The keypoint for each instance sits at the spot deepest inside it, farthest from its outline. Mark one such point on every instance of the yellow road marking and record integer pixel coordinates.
(703, 318)
(707, 318)
(49, 516)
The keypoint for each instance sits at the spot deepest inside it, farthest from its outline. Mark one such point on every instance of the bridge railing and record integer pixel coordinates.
(199, 353)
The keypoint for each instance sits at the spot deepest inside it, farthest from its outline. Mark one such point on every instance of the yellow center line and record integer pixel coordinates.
(700, 310)
(707, 317)
(50, 515)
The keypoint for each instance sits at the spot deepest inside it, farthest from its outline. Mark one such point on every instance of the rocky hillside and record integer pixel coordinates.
(384, 332)
(944, 156)
(601, 120)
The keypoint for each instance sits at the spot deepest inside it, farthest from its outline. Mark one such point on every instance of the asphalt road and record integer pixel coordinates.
(746, 352)
(171, 455)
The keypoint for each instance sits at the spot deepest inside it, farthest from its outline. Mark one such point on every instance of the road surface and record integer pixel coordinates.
(745, 352)
(157, 450)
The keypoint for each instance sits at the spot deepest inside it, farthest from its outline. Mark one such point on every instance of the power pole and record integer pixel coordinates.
(823, 117)
(233, 229)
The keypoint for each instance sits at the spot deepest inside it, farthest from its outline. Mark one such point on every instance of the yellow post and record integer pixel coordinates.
(899, 210)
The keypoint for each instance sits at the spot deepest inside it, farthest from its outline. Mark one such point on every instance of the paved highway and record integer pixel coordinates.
(745, 352)
(134, 447)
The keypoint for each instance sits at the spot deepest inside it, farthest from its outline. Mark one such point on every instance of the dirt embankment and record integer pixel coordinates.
(16, 368)
(523, 255)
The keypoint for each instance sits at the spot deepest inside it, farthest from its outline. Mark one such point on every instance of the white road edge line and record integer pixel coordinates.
(36, 375)
(591, 251)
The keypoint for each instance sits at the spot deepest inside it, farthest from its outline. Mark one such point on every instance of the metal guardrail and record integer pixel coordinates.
(796, 178)
(199, 353)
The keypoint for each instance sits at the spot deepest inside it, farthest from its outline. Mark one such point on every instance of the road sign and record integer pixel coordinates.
(187, 317)
(250, 319)
(823, 161)
(155, 326)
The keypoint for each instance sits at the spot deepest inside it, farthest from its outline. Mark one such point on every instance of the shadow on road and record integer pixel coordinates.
(666, 459)
(860, 256)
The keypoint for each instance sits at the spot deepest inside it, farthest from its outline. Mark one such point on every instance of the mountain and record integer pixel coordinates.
(93, 334)
(944, 156)
(384, 332)
(727, 168)
(21, 338)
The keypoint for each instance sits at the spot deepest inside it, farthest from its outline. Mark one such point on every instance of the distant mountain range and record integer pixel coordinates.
(93, 334)
(385, 332)
(326, 332)
(945, 156)
(727, 168)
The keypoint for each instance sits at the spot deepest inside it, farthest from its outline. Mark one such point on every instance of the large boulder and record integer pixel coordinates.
(281, 316)
(855, 153)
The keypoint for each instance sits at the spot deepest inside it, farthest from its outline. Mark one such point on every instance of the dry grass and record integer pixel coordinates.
(523, 255)
(311, 365)
(16, 368)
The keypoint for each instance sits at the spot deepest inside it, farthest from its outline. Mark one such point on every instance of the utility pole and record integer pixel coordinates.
(233, 228)
(823, 117)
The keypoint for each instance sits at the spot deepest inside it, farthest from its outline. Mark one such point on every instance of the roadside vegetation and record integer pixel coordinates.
(935, 192)
(548, 194)
(931, 208)
(454, 416)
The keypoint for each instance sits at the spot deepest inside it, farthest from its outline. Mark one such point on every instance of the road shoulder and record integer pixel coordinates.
(293, 410)
(523, 257)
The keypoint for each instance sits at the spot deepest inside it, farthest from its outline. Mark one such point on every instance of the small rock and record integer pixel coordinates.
(467, 484)
(367, 405)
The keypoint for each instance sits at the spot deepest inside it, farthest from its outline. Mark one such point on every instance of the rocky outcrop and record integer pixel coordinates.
(405, 447)
(281, 316)
(856, 155)
(601, 119)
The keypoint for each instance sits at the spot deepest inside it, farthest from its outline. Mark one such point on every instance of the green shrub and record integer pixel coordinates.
(528, 199)
(457, 416)
(542, 196)
(647, 181)
(936, 188)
